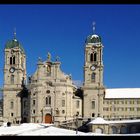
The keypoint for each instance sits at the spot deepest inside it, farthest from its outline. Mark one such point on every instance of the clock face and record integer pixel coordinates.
(92, 67)
(12, 69)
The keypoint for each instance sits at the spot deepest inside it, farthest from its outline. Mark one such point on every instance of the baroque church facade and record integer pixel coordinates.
(49, 96)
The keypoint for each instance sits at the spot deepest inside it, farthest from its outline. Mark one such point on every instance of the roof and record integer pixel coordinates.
(122, 93)
(12, 44)
(93, 39)
(100, 120)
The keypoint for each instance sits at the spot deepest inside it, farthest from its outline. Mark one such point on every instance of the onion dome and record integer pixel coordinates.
(93, 39)
(13, 44)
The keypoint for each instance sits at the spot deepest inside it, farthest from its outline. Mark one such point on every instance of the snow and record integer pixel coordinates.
(122, 93)
(96, 36)
(32, 129)
(36, 129)
(14, 130)
(100, 120)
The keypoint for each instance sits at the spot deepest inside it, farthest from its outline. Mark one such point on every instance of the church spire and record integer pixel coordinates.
(94, 23)
(15, 34)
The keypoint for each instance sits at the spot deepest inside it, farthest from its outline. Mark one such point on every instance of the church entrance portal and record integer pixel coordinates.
(48, 118)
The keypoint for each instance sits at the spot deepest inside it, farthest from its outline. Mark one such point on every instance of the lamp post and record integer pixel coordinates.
(77, 122)
(42, 114)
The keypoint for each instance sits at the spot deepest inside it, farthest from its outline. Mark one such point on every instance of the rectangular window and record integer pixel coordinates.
(138, 102)
(77, 104)
(122, 102)
(133, 102)
(93, 104)
(138, 109)
(63, 103)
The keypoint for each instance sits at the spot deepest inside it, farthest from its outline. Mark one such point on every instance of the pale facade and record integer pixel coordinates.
(49, 95)
(14, 79)
(93, 87)
(52, 96)
(121, 104)
(111, 104)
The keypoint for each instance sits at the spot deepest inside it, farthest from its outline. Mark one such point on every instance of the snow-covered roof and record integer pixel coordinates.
(100, 120)
(94, 36)
(122, 93)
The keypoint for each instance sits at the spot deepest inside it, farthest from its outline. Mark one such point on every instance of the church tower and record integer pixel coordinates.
(14, 79)
(93, 87)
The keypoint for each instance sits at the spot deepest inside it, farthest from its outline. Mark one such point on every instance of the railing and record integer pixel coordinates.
(68, 124)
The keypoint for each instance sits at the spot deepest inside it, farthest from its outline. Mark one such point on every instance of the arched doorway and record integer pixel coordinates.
(123, 130)
(114, 130)
(48, 118)
(99, 130)
(133, 129)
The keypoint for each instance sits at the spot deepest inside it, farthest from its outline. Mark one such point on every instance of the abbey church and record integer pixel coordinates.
(49, 95)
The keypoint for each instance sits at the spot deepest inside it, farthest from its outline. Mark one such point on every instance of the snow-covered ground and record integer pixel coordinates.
(31, 129)
(36, 129)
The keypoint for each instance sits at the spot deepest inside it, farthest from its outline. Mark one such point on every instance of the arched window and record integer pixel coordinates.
(13, 59)
(93, 114)
(12, 105)
(48, 100)
(91, 57)
(95, 56)
(63, 103)
(10, 60)
(93, 104)
(12, 79)
(93, 76)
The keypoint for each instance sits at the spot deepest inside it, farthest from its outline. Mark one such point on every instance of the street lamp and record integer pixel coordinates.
(77, 122)
(42, 114)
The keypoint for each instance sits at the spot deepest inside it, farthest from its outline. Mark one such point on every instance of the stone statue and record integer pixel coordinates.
(49, 56)
(57, 58)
